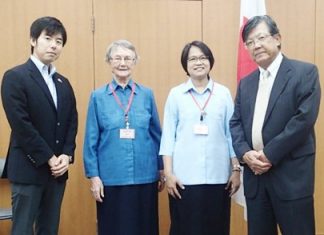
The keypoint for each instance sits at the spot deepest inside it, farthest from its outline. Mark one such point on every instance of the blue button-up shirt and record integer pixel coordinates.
(198, 159)
(122, 161)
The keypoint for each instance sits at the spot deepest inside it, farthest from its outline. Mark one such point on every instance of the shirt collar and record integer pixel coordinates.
(115, 86)
(274, 66)
(41, 66)
(188, 86)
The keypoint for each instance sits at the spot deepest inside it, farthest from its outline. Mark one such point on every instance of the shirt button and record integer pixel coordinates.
(58, 124)
(57, 141)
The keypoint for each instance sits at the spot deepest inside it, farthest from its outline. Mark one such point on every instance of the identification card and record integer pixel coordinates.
(127, 133)
(200, 129)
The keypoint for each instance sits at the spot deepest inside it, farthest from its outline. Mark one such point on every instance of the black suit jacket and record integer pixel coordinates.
(38, 129)
(288, 129)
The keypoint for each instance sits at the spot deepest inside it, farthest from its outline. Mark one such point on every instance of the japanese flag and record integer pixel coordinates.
(249, 8)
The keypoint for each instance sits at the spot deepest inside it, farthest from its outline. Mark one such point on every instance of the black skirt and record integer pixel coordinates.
(202, 210)
(129, 210)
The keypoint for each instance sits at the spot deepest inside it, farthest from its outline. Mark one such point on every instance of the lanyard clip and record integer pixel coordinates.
(202, 115)
(126, 121)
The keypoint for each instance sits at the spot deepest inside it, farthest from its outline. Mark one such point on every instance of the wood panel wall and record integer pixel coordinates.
(319, 60)
(158, 29)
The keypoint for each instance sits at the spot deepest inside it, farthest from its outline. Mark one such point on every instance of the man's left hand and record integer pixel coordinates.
(61, 166)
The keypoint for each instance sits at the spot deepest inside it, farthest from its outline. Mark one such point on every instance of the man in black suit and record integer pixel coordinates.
(41, 109)
(272, 128)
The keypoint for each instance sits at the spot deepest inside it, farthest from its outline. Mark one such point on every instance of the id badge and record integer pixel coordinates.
(127, 133)
(200, 129)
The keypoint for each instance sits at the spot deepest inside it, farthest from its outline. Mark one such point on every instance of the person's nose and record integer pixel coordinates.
(257, 44)
(122, 61)
(53, 44)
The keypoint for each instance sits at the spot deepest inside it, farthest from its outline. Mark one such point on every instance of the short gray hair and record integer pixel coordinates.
(120, 43)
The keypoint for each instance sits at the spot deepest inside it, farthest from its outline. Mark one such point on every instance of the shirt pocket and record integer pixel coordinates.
(216, 115)
(111, 121)
(216, 110)
(142, 120)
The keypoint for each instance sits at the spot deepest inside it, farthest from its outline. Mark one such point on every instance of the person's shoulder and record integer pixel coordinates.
(220, 86)
(143, 88)
(18, 68)
(299, 64)
(100, 90)
(253, 75)
(16, 74)
(144, 91)
(179, 89)
(61, 77)
(221, 89)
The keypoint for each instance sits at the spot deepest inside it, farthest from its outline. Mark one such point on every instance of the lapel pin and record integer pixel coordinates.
(59, 80)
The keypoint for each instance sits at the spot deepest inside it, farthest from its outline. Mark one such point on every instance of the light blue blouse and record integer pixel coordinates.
(122, 161)
(198, 159)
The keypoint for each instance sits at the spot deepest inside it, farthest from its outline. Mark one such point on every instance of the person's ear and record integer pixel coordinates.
(32, 42)
(277, 37)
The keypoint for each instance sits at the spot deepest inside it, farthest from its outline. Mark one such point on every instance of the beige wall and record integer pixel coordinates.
(319, 60)
(159, 29)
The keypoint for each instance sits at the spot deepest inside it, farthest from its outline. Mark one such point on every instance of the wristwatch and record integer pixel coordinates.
(236, 167)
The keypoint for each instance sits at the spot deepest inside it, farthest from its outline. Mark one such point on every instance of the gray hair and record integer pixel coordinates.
(120, 43)
(253, 22)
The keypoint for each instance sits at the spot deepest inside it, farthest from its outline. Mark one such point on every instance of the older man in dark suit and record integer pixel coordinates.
(40, 107)
(272, 128)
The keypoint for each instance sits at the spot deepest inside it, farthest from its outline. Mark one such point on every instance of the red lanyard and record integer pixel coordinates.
(202, 109)
(130, 101)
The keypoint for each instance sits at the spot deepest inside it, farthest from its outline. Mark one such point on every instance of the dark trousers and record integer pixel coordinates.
(266, 211)
(202, 210)
(36, 208)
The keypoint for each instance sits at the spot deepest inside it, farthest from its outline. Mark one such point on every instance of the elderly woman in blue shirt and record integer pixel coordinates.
(200, 166)
(121, 147)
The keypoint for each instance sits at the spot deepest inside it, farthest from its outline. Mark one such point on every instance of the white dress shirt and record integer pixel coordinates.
(47, 72)
(266, 80)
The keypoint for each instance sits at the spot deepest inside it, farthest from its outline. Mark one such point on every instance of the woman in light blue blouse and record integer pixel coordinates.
(200, 166)
(121, 147)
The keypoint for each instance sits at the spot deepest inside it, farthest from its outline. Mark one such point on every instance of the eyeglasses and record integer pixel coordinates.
(202, 59)
(260, 38)
(126, 59)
